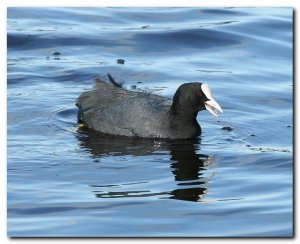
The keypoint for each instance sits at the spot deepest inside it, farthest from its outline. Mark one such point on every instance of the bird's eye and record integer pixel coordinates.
(199, 94)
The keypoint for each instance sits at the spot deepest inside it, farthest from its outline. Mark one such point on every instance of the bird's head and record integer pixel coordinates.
(194, 97)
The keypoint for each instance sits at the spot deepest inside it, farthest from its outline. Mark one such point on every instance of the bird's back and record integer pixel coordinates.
(111, 109)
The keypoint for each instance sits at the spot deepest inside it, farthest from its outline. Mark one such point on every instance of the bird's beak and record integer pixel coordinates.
(211, 105)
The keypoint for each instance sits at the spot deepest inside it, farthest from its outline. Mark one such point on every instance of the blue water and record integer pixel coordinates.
(236, 180)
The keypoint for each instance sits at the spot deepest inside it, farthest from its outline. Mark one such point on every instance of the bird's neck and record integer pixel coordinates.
(184, 123)
(184, 115)
(183, 118)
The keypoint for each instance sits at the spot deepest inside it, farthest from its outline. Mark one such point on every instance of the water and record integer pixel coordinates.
(235, 180)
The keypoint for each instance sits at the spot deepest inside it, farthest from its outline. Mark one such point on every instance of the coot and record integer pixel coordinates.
(109, 108)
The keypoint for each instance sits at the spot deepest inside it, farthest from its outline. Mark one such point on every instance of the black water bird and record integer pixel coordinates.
(111, 109)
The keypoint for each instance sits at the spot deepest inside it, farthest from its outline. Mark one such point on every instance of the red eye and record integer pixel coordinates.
(199, 94)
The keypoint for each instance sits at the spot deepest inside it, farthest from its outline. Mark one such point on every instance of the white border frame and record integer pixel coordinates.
(92, 3)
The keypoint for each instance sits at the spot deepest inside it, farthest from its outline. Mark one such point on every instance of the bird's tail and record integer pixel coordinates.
(114, 82)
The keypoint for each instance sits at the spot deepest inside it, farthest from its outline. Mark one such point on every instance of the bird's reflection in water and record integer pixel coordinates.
(186, 164)
(188, 167)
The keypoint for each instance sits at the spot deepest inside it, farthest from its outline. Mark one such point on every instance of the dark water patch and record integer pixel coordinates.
(263, 28)
(129, 194)
(40, 209)
(214, 71)
(16, 80)
(56, 53)
(63, 16)
(66, 116)
(149, 16)
(121, 61)
(66, 113)
(227, 128)
(46, 210)
(192, 38)
(223, 12)
(36, 42)
(75, 77)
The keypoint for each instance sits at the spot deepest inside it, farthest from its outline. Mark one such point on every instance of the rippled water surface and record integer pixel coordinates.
(234, 180)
